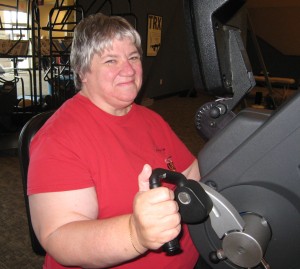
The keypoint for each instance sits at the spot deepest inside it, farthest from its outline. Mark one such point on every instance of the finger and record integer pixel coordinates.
(160, 195)
(143, 178)
(167, 208)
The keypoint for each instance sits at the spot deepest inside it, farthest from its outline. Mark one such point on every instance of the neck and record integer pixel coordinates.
(116, 111)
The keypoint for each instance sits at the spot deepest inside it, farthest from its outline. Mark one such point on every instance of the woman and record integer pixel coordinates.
(90, 164)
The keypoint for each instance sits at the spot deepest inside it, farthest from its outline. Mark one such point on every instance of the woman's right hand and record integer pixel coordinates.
(155, 218)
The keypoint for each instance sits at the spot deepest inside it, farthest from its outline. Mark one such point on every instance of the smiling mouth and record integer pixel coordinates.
(124, 83)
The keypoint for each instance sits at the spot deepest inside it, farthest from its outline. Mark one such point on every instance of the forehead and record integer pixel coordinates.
(119, 45)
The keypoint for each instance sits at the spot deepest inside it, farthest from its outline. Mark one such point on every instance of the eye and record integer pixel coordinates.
(135, 58)
(110, 62)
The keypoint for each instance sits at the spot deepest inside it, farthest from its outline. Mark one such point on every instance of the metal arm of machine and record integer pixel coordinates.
(223, 216)
(244, 236)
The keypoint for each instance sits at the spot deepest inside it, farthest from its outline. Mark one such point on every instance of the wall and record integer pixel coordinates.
(277, 25)
(277, 63)
(170, 71)
(13, 4)
(277, 31)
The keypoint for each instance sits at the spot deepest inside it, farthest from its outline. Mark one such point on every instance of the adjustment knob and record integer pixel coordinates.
(213, 257)
(217, 111)
(216, 256)
(211, 117)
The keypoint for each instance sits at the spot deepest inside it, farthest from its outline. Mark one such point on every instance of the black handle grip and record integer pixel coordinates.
(172, 247)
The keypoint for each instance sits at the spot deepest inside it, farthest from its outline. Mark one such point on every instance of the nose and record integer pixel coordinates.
(127, 68)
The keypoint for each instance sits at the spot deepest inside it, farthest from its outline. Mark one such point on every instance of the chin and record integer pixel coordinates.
(129, 95)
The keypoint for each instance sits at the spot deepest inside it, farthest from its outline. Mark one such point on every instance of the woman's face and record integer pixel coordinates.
(115, 78)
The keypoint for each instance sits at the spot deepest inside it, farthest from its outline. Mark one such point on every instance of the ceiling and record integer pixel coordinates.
(272, 3)
(250, 3)
(52, 2)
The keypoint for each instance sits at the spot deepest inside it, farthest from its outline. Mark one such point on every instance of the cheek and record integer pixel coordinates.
(139, 72)
(110, 74)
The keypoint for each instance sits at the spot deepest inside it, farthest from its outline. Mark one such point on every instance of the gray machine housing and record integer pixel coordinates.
(254, 162)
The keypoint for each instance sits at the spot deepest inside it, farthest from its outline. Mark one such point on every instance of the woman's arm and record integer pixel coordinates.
(193, 171)
(67, 226)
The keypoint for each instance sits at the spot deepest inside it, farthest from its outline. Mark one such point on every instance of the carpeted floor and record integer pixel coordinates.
(15, 249)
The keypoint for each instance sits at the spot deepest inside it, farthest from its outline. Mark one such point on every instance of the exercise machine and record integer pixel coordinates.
(245, 213)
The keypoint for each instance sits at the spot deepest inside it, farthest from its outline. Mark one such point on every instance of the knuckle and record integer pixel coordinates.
(173, 207)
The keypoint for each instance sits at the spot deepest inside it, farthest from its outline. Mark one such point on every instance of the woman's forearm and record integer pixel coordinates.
(95, 243)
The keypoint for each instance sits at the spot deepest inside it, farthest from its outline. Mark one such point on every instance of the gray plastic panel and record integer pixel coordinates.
(260, 174)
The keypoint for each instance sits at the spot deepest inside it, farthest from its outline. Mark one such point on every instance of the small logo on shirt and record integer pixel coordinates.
(170, 163)
(168, 160)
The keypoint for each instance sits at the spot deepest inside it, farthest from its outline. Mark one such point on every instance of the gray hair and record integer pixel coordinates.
(95, 34)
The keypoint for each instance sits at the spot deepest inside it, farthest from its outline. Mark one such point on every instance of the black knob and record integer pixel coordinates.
(213, 257)
(215, 112)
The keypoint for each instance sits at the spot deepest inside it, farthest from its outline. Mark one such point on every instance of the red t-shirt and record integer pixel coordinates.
(82, 146)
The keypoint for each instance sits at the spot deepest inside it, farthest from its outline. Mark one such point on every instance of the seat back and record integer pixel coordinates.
(8, 96)
(26, 135)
